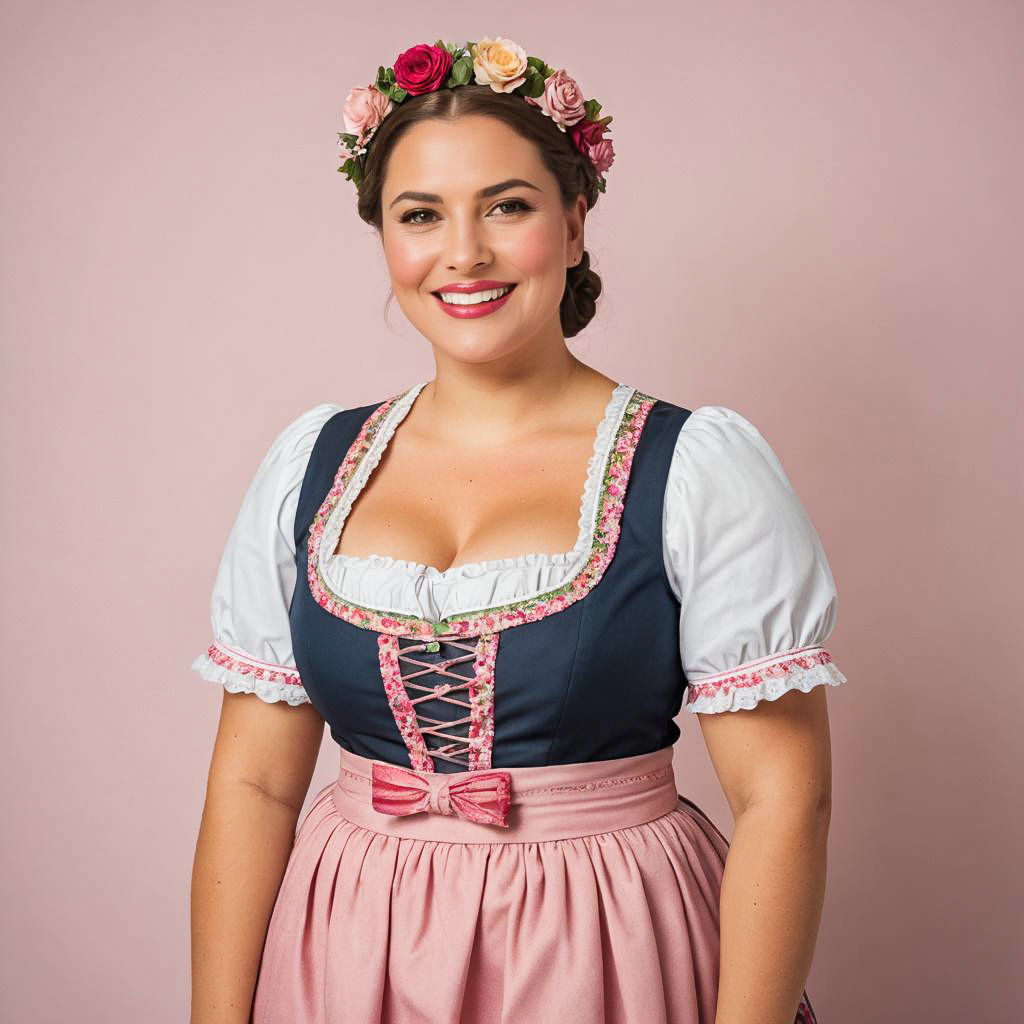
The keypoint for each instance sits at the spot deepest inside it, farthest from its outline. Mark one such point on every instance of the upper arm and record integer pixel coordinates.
(757, 604)
(780, 750)
(272, 746)
(269, 731)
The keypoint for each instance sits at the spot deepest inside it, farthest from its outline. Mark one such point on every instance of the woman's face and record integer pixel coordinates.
(470, 201)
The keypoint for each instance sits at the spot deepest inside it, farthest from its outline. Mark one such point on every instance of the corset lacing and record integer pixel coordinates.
(466, 740)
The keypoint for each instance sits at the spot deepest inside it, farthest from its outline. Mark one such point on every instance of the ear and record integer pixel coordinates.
(574, 220)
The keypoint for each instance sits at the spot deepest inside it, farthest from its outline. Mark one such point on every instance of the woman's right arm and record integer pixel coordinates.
(263, 760)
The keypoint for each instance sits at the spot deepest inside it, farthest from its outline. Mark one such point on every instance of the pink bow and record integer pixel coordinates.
(481, 796)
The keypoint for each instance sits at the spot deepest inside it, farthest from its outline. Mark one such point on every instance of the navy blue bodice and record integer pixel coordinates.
(588, 672)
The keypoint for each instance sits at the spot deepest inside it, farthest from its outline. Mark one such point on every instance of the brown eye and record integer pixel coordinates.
(407, 218)
(513, 202)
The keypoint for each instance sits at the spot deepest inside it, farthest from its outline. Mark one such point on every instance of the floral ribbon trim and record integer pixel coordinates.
(235, 661)
(610, 505)
(764, 679)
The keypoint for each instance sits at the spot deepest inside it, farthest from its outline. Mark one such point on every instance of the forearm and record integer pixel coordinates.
(771, 901)
(244, 842)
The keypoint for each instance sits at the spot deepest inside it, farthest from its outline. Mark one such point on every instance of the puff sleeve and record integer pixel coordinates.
(758, 601)
(251, 650)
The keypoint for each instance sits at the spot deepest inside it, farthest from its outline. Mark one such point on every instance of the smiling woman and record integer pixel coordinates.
(572, 562)
(528, 218)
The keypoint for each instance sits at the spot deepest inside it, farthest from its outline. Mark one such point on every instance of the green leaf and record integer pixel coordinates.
(533, 86)
(462, 70)
(398, 94)
(350, 168)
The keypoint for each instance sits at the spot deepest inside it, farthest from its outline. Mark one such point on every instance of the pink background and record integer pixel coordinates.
(815, 218)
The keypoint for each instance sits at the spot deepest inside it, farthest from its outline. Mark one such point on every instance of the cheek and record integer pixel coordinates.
(408, 263)
(537, 249)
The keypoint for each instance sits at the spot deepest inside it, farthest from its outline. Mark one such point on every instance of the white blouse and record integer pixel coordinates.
(758, 601)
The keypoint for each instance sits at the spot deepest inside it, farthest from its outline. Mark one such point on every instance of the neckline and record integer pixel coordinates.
(626, 426)
(604, 434)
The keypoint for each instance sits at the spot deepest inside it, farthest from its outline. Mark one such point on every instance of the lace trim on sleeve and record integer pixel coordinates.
(765, 679)
(239, 673)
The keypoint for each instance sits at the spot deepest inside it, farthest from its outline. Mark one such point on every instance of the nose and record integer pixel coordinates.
(465, 243)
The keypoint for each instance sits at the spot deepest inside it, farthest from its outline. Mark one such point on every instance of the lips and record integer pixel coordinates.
(464, 311)
(503, 289)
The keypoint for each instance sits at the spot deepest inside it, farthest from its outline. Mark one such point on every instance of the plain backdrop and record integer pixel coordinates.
(814, 217)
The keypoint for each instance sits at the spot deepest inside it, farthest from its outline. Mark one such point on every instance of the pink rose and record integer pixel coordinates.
(422, 68)
(590, 141)
(365, 108)
(561, 99)
(602, 155)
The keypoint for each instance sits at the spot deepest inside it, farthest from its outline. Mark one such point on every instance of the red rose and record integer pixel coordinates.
(422, 68)
(589, 137)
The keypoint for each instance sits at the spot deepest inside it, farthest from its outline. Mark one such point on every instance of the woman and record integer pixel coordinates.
(504, 841)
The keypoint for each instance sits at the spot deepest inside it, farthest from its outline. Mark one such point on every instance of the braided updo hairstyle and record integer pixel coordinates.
(573, 171)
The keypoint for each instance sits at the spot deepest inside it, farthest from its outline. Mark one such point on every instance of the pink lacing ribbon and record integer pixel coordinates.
(457, 747)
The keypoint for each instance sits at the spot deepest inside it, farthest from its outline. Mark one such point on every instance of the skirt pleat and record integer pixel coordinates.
(616, 926)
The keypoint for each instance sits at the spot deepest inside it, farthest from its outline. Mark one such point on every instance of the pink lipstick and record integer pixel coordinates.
(467, 310)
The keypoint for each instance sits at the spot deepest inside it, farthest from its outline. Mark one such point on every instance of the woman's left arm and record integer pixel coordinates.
(774, 762)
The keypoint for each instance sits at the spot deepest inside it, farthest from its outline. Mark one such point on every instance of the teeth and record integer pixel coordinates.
(472, 298)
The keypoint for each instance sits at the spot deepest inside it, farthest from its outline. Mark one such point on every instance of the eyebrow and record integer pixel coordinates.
(484, 193)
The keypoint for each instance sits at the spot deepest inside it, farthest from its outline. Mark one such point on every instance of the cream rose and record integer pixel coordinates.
(499, 63)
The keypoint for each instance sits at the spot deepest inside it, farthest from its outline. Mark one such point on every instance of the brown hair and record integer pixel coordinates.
(574, 172)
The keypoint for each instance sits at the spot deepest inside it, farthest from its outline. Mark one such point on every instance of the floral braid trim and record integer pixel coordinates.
(481, 695)
(610, 503)
(239, 673)
(765, 679)
(402, 708)
(804, 1012)
(500, 63)
(234, 661)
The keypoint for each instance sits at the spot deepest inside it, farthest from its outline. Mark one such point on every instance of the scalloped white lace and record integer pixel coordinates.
(347, 573)
(237, 682)
(744, 698)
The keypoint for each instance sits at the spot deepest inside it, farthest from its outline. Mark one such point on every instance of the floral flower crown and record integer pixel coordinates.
(499, 63)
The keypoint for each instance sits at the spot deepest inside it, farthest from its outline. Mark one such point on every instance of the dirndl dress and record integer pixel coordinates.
(504, 840)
